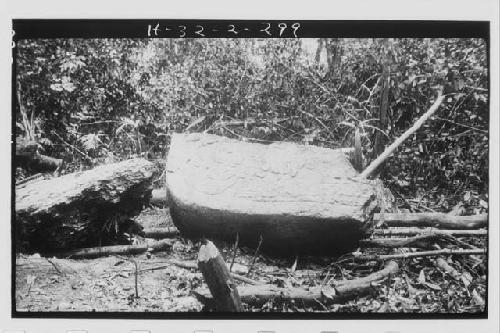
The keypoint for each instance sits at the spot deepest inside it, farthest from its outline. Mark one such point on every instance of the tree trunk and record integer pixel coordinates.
(436, 220)
(380, 138)
(82, 209)
(219, 280)
(333, 57)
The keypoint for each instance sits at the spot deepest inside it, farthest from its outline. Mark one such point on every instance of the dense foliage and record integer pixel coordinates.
(98, 100)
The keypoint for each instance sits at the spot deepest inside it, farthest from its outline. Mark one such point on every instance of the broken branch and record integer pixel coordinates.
(94, 252)
(436, 220)
(411, 231)
(340, 291)
(416, 254)
(219, 280)
(389, 150)
(420, 241)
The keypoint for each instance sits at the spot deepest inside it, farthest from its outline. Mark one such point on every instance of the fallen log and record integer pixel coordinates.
(412, 231)
(95, 252)
(436, 220)
(301, 199)
(161, 233)
(219, 281)
(82, 209)
(339, 292)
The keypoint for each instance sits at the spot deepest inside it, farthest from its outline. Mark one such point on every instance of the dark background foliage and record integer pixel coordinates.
(95, 101)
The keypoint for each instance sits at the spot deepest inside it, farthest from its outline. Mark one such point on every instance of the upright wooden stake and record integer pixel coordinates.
(219, 280)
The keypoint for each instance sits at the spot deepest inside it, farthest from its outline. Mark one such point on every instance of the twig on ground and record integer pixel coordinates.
(193, 265)
(235, 249)
(252, 262)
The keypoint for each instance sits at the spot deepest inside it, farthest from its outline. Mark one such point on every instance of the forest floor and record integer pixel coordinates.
(108, 284)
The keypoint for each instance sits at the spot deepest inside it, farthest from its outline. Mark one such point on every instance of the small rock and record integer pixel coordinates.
(185, 304)
(239, 269)
(63, 306)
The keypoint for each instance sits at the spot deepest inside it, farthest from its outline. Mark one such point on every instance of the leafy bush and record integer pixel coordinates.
(97, 100)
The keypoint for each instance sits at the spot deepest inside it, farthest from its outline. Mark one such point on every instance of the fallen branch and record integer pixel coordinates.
(436, 220)
(339, 292)
(415, 254)
(218, 279)
(421, 241)
(94, 252)
(236, 123)
(411, 231)
(30, 178)
(389, 150)
(161, 233)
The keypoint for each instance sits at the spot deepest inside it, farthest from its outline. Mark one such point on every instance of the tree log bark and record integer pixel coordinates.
(341, 290)
(218, 279)
(82, 209)
(436, 220)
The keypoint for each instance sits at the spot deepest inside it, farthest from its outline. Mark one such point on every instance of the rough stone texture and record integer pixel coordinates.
(300, 199)
(80, 209)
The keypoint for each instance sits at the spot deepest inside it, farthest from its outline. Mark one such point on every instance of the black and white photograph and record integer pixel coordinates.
(266, 170)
